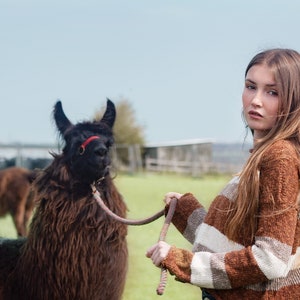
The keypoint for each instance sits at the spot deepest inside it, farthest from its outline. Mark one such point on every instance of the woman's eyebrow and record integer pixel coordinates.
(268, 84)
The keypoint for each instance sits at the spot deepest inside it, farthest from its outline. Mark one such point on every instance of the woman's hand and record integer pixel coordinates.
(158, 252)
(171, 195)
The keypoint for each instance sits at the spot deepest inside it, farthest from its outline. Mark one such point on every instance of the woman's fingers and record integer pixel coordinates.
(150, 251)
(158, 252)
(169, 196)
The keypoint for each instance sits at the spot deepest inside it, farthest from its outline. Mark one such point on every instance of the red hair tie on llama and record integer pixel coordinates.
(86, 142)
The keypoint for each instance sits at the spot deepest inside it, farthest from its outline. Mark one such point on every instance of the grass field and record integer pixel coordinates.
(143, 194)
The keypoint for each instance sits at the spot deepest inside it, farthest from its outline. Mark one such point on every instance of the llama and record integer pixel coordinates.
(16, 196)
(74, 250)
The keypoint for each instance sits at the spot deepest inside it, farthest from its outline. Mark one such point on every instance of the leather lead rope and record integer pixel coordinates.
(150, 219)
(163, 276)
(164, 272)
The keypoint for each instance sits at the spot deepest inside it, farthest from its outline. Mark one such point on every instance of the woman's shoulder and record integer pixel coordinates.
(281, 149)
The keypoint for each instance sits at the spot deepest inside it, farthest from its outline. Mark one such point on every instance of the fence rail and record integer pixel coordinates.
(181, 167)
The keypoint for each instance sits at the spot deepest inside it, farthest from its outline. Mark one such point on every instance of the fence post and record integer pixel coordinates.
(19, 156)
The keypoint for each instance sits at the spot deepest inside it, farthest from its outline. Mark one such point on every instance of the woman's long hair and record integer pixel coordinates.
(285, 65)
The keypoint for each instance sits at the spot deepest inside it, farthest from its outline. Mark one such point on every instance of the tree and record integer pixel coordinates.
(126, 129)
(129, 136)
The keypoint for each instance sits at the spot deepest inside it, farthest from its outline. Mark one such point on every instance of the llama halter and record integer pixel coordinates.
(163, 276)
(86, 142)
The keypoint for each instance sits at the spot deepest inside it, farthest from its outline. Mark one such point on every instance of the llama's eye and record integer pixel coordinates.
(109, 143)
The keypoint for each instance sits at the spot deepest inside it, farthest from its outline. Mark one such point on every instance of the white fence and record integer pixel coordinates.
(174, 166)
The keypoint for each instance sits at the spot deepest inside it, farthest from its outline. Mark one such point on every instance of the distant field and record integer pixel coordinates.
(143, 194)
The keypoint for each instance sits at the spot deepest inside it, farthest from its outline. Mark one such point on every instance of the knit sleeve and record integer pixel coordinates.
(178, 263)
(232, 265)
(188, 215)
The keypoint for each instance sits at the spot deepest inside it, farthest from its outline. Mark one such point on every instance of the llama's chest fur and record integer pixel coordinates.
(72, 249)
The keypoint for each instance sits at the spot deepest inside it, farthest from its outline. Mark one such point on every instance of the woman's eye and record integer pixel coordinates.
(273, 93)
(250, 86)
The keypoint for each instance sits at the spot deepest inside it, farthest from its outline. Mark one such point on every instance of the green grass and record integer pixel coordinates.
(7, 228)
(143, 194)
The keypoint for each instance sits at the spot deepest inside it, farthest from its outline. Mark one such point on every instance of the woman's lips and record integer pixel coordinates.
(254, 114)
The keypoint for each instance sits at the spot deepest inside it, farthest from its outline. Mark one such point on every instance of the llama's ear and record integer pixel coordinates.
(110, 114)
(62, 122)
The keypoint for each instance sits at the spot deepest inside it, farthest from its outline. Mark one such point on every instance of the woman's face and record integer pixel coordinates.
(260, 100)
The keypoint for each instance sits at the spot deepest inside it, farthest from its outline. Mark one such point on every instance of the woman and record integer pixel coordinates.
(247, 246)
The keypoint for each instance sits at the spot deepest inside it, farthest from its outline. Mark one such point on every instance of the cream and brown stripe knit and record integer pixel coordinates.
(269, 267)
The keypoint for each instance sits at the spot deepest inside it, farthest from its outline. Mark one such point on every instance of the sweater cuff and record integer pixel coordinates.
(178, 262)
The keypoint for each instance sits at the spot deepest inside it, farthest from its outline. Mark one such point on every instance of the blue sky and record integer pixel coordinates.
(180, 63)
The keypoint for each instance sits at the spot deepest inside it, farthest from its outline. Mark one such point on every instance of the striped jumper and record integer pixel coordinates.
(267, 267)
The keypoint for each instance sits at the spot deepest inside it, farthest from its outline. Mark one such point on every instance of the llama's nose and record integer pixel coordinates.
(101, 150)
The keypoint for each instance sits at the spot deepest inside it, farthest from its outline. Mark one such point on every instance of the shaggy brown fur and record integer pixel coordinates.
(16, 196)
(73, 250)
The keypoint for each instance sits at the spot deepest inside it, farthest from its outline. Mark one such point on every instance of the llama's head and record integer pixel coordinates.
(86, 150)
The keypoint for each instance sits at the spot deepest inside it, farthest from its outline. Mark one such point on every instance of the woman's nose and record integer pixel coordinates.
(257, 100)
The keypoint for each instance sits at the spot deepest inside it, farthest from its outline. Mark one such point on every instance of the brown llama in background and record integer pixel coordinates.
(74, 250)
(16, 196)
